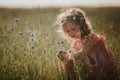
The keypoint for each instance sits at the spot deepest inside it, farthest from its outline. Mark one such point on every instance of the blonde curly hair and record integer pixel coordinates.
(77, 16)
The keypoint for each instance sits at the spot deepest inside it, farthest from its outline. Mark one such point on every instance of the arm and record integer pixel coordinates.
(80, 57)
(68, 61)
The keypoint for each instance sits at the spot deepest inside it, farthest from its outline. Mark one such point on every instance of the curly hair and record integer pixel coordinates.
(77, 16)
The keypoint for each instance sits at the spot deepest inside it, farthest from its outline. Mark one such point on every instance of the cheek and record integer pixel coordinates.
(67, 34)
(77, 31)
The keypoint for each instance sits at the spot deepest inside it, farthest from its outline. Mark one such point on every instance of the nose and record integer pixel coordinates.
(71, 33)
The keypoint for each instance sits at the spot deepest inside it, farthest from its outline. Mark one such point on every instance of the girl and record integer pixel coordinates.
(92, 58)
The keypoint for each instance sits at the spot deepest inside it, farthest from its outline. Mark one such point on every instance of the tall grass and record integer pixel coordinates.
(28, 47)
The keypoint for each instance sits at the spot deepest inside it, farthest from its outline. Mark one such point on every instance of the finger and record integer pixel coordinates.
(58, 56)
(65, 52)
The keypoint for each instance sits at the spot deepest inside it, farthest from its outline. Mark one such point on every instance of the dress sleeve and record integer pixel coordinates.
(76, 46)
(92, 40)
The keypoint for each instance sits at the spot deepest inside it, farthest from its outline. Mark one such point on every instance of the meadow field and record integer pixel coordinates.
(29, 41)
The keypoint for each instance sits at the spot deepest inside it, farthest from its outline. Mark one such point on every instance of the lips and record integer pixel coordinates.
(74, 36)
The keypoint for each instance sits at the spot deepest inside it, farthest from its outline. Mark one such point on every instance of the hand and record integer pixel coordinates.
(62, 55)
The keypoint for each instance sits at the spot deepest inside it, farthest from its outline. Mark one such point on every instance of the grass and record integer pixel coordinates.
(31, 54)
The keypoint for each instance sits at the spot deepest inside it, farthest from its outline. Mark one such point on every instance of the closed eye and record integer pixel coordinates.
(67, 31)
(73, 29)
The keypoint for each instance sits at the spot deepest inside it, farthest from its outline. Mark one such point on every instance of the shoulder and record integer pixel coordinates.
(97, 36)
(93, 39)
(94, 36)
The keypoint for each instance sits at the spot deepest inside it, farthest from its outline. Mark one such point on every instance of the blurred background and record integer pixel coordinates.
(58, 3)
(29, 42)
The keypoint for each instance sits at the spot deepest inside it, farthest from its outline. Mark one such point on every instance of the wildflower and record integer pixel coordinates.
(21, 33)
(58, 42)
(3, 36)
(62, 42)
(16, 19)
(13, 66)
(61, 51)
(32, 39)
(26, 22)
(70, 50)
(12, 29)
(32, 47)
(25, 54)
(31, 34)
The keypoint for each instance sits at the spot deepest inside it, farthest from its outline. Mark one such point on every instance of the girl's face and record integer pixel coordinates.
(72, 30)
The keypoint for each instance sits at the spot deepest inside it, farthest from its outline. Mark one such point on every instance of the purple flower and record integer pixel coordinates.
(21, 33)
(31, 39)
(33, 47)
(62, 42)
(70, 50)
(58, 42)
(12, 29)
(16, 19)
(13, 66)
(32, 35)
(25, 54)
(61, 51)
